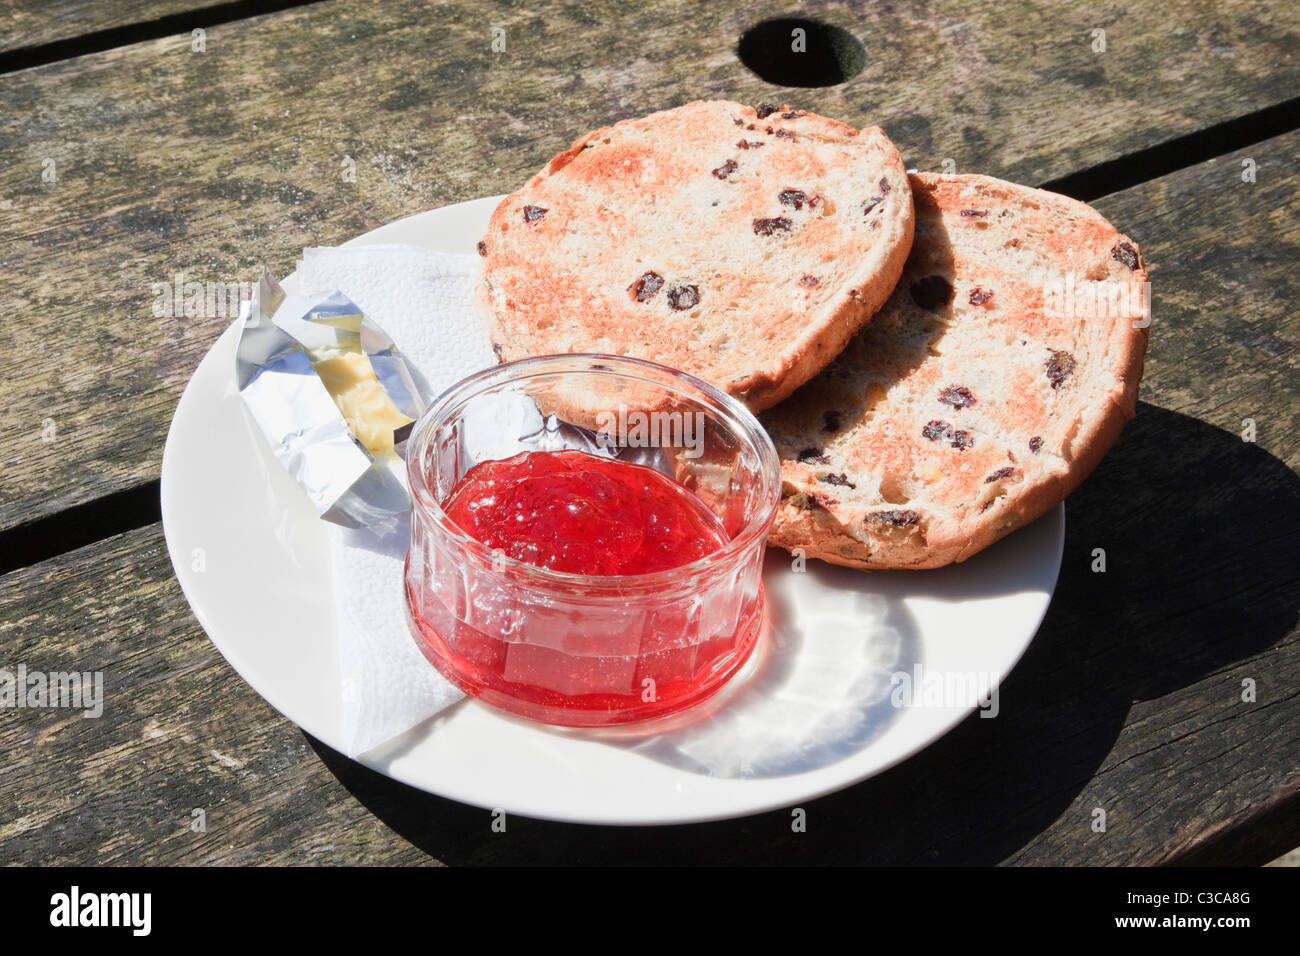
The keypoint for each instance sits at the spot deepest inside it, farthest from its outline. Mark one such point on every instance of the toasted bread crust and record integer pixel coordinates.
(768, 257)
(968, 410)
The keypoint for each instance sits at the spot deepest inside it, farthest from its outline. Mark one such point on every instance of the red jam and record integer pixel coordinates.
(575, 512)
(569, 657)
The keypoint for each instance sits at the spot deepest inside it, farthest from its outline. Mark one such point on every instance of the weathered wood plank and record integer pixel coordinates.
(179, 732)
(209, 164)
(1188, 762)
(28, 23)
(1130, 700)
(1202, 534)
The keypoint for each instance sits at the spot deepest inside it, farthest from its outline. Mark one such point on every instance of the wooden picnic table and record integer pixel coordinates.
(134, 149)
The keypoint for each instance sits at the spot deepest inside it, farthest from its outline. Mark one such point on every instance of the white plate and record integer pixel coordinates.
(813, 712)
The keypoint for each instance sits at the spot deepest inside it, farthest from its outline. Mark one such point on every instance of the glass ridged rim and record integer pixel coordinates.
(740, 420)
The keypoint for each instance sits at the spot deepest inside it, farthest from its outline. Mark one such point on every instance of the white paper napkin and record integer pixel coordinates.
(422, 299)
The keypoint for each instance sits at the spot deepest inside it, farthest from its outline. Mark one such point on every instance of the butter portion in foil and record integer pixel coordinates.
(365, 406)
(334, 398)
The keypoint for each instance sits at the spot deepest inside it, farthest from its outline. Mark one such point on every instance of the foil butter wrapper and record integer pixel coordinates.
(278, 381)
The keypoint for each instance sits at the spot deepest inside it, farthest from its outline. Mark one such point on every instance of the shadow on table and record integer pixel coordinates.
(1200, 534)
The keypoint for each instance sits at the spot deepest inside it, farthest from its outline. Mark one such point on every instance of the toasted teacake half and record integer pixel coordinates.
(984, 391)
(743, 245)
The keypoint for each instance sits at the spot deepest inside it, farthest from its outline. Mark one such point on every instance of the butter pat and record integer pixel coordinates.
(369, 412)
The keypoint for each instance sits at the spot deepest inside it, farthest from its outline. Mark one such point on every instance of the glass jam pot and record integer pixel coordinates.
(585, 649)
